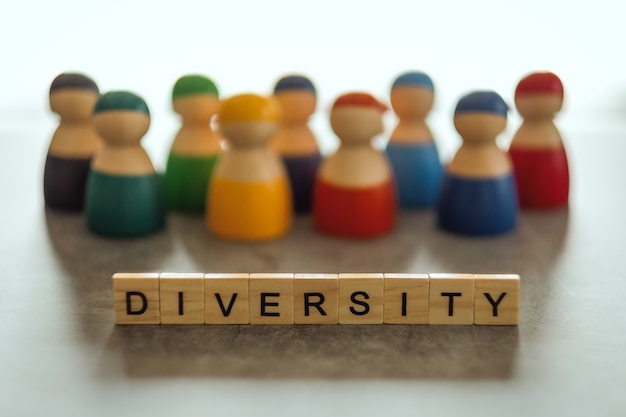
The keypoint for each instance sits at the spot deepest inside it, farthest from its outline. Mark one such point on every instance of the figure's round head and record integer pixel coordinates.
(248, 119)
(195, 97)
(297, 98)
(73, 96)
(539, 95)
(480, 116)
(357, 117)
(412, 95)
(121, 117)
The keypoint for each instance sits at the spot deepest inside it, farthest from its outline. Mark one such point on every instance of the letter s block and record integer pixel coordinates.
(136, 298)
(361, 298)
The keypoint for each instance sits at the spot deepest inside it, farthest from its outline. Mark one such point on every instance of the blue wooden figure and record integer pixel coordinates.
(294, 141)
(478, 196)
(411, 148)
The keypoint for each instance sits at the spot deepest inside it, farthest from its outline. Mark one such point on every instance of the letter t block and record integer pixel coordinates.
(136, 298)
(451, 299)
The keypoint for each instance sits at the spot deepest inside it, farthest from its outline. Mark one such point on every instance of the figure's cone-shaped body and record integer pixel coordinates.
(411, 149)
(124, 194)
(249, 197)
(479, 196)
(73, 97)
(355, 192)
(537, 151)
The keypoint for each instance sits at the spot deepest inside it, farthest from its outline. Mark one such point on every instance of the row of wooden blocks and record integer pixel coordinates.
(285, 298)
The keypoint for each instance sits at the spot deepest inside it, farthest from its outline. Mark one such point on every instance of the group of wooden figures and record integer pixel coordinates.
(250, 162)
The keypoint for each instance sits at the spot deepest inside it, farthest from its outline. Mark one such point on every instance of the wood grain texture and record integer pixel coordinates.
(136, 298)
(182, 298)
(271, 298)
(360, 298)
(316, 298)
(226, 299)
(496, 299)
(405, 299)
(451, 299)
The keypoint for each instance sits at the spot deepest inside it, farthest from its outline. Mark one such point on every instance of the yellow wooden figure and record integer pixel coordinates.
(249, 197)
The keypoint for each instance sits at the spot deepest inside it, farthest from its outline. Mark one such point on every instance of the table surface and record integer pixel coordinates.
(60, 351)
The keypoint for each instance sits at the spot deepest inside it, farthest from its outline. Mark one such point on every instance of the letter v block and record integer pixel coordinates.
(226, 299)
(496, 299)
(451, 299)
(136, 298)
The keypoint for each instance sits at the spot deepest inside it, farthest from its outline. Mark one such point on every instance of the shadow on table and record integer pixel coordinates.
(313, 352)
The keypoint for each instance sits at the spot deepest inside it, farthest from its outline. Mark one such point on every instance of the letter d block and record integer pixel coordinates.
(271, 298)
(451, 299)
(360, 298)
(315, 298)
(136, 298)
(496, 299)
(226, 299)
(182, 298)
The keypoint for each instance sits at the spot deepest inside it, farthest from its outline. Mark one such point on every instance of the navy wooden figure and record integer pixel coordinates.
(73, 97)
(294, 141)
(478, 196)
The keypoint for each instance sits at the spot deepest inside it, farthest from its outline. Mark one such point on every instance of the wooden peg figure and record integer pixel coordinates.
(249, 198)
(294, 140)
(195, 147)
(478, 195)
(73, 97)
(124, 194)
(537, 151)
(355, 192)
(411, 148)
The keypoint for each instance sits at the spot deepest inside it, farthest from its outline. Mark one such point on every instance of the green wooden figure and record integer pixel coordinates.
(195, 147)
(124, 195)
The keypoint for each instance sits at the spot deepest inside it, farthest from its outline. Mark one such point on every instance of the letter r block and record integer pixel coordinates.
(451, 299)
(136, 298)
(271, 298)
(315, 298)
(496, 299)
(360, 298)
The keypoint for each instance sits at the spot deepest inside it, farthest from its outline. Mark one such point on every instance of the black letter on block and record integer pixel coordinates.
(144, 302)
(403, 304)
(318, 304)
(226, 311)
(451, 296)
(361, 303)
(494, 304)
(265, 304)
(180, 304)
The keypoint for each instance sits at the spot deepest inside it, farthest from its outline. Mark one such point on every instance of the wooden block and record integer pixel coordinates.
(271, 298)
(182, 298)
(451, 299)
(226, 299)
(136, 298)
(315, 298)
(496, 299)
(360, 298)
(405, 299)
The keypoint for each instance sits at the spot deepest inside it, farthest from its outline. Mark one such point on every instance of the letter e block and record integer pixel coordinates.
(406, 299)
(315, 298)
(496, 299)
(136, 298)
(226, 299)
(361, 298)
(182, 298)
(271, 298)
(451, 299)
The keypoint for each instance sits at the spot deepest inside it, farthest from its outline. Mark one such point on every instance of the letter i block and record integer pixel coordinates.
(182, 298)
(496, 299)
(315, 298)
(451, 299)
(226, 299)
(271, 298)
(406, 299)
(361, 298)
(136, 298)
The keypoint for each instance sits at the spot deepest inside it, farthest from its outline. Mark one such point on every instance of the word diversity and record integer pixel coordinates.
(286, 298)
